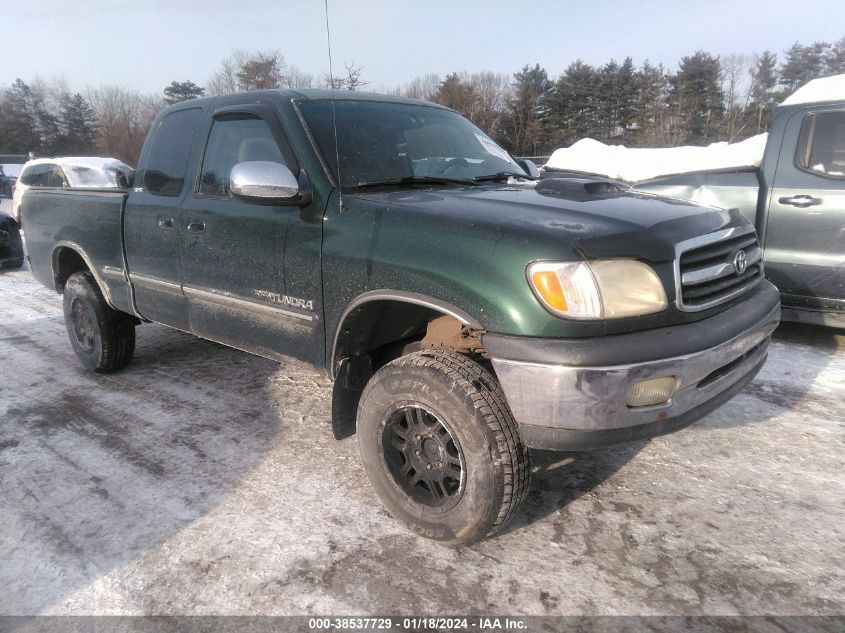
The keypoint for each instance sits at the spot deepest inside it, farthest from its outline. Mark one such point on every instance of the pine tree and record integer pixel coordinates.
(182, 91)
(20, 114)
(764, 98)
(79, 125)
(574, 104)
(697, 99)
(652, 88)
(527, 111)
(836, 58)
(607, 100)
(456, 94)
(626, 94)
(802, 64)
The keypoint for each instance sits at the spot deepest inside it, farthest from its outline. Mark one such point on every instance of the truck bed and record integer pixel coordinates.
(58, 221)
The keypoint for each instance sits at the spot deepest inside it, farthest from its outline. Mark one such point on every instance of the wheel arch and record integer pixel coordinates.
(366, 305)
(69, 258)
(375, 328)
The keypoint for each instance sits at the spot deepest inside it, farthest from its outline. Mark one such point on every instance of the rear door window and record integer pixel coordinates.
(821, 148)
(164, 173)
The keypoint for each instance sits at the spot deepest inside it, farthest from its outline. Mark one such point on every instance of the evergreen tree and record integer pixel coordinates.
(574, 103)
(626, 95)
(697, 99)
(527, 111)
(79, 125)
(652, 87)
(802, 64)
(182, 91)
(456, 94)
(764, 98)
(836, 58)
(607, 100)
(21, 120)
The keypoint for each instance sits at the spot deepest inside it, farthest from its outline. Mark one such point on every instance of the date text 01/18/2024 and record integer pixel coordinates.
(418, 623)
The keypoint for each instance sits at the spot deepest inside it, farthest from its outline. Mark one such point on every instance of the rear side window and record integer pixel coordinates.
(821, 149)
(44, 175)
(164, 173)
(233, 141)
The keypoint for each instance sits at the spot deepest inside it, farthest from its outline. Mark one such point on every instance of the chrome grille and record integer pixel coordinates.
(706, 271)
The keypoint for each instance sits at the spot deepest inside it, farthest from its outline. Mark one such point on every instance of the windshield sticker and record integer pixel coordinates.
(492, 148)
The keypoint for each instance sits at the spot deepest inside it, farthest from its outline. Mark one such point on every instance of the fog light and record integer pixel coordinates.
(653, 391)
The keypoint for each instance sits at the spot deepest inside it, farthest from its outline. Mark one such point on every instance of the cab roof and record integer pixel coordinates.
(305, 94)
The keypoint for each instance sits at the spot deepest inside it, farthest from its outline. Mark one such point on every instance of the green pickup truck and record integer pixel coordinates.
(465, 310)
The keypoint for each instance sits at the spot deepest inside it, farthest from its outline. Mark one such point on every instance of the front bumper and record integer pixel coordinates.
(570, 406)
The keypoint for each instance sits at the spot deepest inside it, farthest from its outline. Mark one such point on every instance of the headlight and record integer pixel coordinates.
(602, 289)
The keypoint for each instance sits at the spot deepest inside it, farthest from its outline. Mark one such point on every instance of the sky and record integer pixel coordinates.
(146, 45)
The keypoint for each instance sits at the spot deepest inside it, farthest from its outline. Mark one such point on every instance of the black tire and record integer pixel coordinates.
(102, 338)
(471, 486)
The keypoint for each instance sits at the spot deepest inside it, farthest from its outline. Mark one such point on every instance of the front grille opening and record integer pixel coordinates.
(711, 276)
(724, 370)
(709, 291)
(716, 251)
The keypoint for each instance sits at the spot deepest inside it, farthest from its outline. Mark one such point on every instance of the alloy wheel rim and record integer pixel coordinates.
(423, 457)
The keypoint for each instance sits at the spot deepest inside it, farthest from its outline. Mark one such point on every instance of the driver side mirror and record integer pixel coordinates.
(267, 181)
(529, 167)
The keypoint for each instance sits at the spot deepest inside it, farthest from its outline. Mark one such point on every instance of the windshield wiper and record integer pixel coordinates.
(502, 175)
(415, 180)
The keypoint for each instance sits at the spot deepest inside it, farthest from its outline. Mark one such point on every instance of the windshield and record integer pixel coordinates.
(385, 143)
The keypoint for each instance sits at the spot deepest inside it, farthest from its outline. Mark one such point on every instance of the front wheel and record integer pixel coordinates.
(102, 338)
(440, 446)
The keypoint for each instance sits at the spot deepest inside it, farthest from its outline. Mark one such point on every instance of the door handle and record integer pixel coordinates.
(802, 201)
(165, 223)
(196, 224)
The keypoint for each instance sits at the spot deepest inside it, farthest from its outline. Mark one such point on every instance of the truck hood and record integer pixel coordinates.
(595, 218)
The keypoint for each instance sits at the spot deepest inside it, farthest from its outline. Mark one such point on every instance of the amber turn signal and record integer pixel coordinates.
(547, 284)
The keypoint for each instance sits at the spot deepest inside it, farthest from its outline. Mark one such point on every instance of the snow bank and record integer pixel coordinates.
(824, 89)
(638, 164)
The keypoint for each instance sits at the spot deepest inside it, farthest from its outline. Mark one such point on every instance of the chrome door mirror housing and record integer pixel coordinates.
(263, 180)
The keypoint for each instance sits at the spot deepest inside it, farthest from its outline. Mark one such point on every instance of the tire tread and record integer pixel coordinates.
(487, 397)
(117, 330)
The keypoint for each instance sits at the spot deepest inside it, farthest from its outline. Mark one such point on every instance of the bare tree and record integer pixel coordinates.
(124, 118)
(424, 87)
(225, 80)
(737, 92)
(353, 77)
(352, 80)
(492, 93)
(295, 78)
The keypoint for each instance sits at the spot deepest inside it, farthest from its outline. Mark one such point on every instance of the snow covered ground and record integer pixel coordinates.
(202, 480)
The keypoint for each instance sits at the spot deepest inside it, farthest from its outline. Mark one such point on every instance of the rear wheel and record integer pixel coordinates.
(441, 447)
(102, 338)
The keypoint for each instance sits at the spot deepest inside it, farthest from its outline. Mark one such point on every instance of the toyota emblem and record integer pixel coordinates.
(740, 262)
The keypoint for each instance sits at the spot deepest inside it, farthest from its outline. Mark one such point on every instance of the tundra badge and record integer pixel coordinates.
(285, 300)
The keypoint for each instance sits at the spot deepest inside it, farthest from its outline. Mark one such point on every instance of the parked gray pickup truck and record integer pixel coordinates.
(797, 203)
(465, 311)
